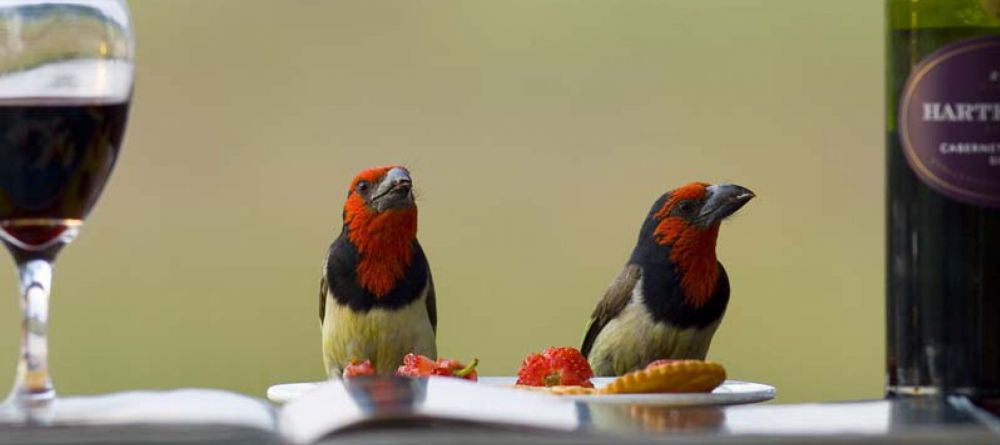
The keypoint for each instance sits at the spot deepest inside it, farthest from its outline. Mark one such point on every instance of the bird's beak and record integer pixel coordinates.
(722, 200)
(395, 190)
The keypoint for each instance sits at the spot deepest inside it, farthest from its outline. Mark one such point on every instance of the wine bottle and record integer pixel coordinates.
(943, 197)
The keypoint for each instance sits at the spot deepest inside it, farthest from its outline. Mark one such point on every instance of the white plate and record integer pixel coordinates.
(285, 392)
(731, 392)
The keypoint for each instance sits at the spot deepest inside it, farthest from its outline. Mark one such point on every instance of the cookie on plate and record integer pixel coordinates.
(560, 390)
(676, 376)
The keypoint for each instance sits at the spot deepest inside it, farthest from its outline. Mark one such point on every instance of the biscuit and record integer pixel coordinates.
(560, 390)
(676, 377)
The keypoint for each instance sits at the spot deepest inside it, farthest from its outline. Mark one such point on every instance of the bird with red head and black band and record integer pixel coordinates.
(671, 296)
(376, 298)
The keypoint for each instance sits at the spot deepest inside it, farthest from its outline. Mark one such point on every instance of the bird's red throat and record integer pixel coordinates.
(692, 248)
(385, 245)
(692, 251)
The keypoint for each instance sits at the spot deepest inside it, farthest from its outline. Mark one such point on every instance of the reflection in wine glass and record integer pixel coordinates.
(65, 84)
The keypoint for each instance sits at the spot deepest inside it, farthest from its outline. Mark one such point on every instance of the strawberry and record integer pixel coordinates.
(555, 366)
(571, 360)
(464, 372)
(419, 366)
(533, 370)
(356, 369)
(415, 365)
(442, 372)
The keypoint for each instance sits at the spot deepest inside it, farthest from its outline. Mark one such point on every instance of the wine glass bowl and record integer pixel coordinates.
(66, 74)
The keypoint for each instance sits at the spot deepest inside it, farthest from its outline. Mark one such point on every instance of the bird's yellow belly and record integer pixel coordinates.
(633, 339)
(382, 336)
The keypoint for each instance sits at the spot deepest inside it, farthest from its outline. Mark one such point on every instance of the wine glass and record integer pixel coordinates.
(66, 70)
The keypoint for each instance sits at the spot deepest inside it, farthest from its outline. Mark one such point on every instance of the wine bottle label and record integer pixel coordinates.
(949, 121)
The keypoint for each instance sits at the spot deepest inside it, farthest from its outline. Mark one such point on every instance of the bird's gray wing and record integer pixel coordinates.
(431, 302)
(324, 287)
(322, 297)
(614, 301)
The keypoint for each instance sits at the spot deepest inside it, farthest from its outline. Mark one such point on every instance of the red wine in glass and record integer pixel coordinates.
(57, 156)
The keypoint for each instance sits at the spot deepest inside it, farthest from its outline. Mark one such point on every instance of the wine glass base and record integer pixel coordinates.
(184, 407)
(28, 412)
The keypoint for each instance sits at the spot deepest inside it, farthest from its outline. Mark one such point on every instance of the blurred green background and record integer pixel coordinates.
(538, 133)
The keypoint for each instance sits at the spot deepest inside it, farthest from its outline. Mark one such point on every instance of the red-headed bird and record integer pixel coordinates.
(672, 294)
(376, 296)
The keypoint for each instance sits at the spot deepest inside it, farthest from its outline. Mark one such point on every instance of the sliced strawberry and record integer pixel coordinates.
(467, 372)
(447, 363)
(415, 365)
(356, 369)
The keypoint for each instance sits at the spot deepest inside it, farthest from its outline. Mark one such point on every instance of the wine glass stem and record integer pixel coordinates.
(33, 382)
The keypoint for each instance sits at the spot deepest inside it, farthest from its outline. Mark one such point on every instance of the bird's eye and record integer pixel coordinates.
(362, 186)
(684, 207)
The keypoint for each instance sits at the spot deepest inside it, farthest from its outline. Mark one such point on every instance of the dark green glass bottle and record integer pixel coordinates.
(943, 197)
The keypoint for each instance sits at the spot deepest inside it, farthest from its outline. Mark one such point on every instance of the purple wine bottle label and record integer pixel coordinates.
(949, 121)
